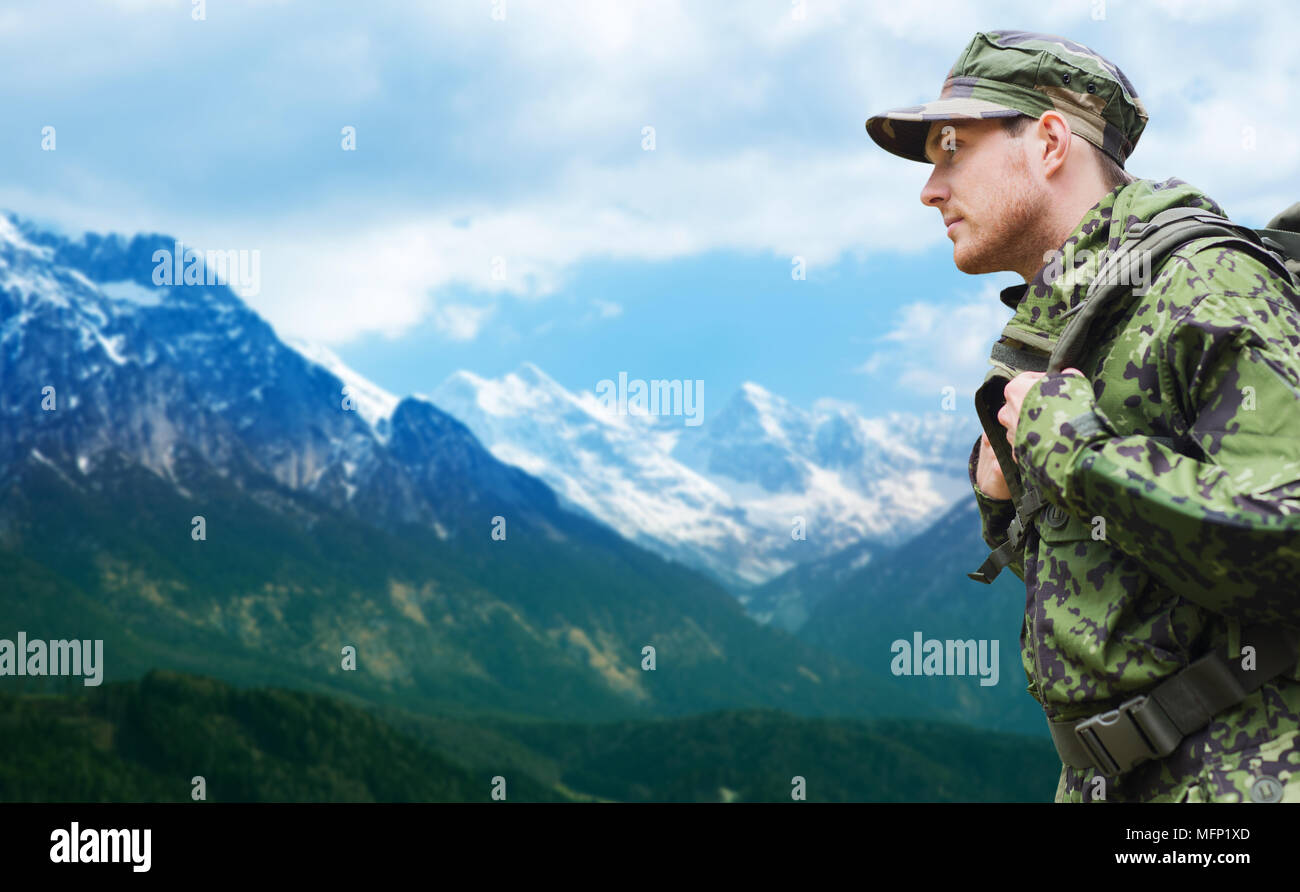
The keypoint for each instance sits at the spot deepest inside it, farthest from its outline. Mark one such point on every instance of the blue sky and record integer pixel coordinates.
(523, 138)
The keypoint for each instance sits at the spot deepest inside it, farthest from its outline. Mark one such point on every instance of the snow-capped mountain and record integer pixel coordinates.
(616, 468)
(723, 496)
(374, 404)
(96, 359)
(142, 369)
(333, 513)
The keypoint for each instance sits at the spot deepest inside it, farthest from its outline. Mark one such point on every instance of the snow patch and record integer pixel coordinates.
(374, 404)
(133, 292)
(112, 347)
(10, 235)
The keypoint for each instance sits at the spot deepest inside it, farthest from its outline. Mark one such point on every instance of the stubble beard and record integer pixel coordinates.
(1008, 237)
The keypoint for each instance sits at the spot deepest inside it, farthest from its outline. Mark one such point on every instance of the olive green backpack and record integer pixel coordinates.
(1277, 245)
(1151, 725)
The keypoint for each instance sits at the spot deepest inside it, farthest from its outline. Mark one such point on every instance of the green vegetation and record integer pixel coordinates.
(535, 625)
(145, 740)
(475, 659)
(753, 755)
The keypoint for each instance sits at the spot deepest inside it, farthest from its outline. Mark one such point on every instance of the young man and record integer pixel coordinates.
(1166, 466)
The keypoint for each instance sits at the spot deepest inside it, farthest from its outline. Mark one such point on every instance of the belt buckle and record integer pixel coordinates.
(1117, 740)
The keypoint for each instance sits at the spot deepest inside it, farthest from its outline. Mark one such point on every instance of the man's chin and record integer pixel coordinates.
(968, 261)
(973, 262)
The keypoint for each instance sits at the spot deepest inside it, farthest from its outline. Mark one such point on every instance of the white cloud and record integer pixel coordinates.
(758, 117)
(933, 346)
(606, 309)
(836, 193)
(461, 322)
(329, 284)
(1200, 10)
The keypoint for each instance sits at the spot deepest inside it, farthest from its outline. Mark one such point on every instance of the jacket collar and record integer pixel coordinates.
(1041, 303)
(1011, 296)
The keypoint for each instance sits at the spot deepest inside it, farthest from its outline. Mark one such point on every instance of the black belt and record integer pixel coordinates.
(1151, 726)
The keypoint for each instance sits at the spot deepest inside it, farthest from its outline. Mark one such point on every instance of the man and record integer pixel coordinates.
(1167, 461)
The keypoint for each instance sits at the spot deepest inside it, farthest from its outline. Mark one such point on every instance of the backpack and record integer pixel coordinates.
(1151, 725)
(1277, 245)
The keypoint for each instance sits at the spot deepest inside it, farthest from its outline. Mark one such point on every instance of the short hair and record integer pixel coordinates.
(1112, 174)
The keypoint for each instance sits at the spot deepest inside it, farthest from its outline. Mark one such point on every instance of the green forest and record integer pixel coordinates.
(146, 740)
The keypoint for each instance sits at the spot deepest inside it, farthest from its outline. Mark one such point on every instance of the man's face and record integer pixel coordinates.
(982, 185)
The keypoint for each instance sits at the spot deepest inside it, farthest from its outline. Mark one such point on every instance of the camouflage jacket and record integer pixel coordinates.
(1201, 531)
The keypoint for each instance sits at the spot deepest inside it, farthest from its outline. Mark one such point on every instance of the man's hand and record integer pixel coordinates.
(1009, 414)
(988, 473)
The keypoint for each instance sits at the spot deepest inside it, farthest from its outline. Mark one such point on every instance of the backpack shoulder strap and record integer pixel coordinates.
(1282, 235)
(1151, 243)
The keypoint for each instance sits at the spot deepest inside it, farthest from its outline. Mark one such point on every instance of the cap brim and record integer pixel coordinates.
(903, 131)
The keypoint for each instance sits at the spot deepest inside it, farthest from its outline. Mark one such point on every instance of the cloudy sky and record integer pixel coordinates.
(503, 203)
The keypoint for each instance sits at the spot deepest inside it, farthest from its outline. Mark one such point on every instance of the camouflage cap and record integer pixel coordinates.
(1002, 74)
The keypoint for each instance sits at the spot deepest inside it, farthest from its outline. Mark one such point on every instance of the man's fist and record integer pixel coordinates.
(1015, 391)
(988, 473)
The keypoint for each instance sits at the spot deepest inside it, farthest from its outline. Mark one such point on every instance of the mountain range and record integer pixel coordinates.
(722, 497)
(758, 488)
(176, 479)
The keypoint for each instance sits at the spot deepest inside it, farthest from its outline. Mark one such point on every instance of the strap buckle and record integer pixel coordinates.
(1123, 738)
(1029, 505)
(1015, 530)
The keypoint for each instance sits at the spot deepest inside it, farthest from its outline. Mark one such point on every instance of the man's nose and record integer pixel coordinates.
(935, 190)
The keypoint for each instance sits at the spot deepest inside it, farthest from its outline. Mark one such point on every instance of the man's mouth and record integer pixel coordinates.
(952, 224)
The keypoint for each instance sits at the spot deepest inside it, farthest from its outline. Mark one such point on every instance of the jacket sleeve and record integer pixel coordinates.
(995, 515)
(1221, 529)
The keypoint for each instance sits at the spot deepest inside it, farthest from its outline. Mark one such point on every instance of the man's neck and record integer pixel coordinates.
(1068, 213)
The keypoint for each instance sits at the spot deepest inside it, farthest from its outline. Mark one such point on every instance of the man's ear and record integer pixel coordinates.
(1053, 133)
